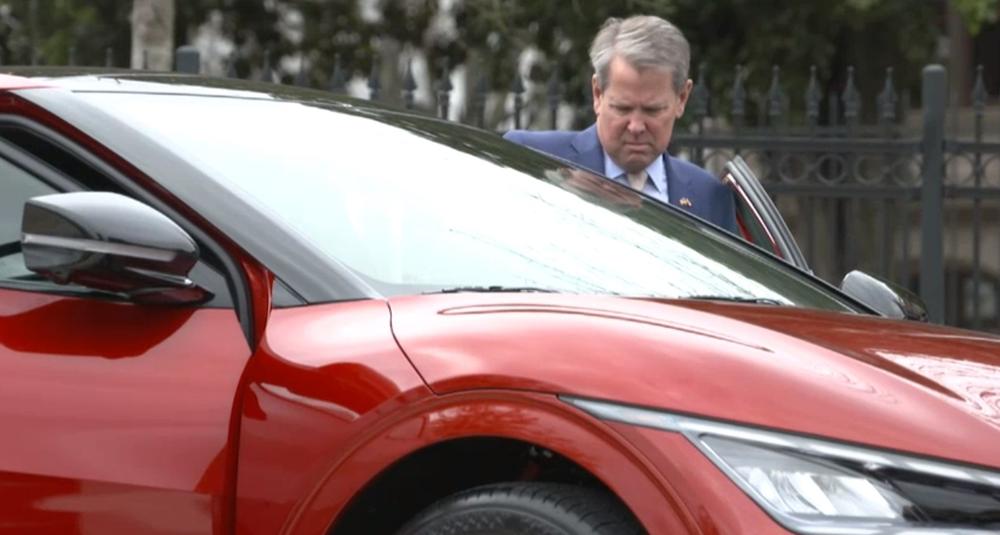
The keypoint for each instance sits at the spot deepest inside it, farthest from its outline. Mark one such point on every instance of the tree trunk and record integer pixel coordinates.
(153, 34)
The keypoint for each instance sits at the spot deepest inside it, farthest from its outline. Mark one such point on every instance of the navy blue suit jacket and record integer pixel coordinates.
(690, 187)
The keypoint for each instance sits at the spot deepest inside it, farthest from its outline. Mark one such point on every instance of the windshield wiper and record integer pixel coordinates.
(737, 299)
(491, 289)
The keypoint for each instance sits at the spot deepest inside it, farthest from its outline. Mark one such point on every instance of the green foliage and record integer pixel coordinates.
(47, 35)
(975, 13)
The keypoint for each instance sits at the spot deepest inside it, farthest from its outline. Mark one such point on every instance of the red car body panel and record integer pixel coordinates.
(9, 82)
(727, 364)
(323, 380)
(537, 419)
(115, 416)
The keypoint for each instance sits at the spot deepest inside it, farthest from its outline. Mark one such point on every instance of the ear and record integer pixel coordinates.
(595, 87)
(683, 97)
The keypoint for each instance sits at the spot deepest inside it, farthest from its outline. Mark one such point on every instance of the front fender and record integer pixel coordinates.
(539, 419)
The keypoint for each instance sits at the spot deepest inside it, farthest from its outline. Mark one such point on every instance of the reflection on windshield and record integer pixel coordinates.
(414, 205)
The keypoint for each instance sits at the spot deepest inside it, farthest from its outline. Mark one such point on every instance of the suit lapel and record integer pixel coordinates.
(678, 186)
(588, 149)
(590, 154)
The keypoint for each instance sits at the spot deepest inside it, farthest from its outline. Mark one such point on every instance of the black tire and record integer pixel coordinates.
(525, 509)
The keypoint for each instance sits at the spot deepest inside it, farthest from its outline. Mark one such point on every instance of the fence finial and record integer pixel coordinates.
(813, 98)
(444, 89)
(887, 99)
(775, 97)
(231, 66)
(851, 98)
(409, 85)
(338, 80)
(979, 91)
(267, 71)
(517, 87)
(374, 81)
(739, 98)
(700, 96)
(482, 90)
(302, 77)
(554, 95)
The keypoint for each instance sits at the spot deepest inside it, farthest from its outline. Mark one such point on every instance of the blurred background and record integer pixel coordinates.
(827, 100)
(496, 39)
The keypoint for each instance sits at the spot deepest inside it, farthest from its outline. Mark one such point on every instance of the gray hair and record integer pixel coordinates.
(643, 41)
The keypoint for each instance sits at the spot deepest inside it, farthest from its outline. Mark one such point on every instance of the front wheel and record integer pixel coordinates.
(525, 509)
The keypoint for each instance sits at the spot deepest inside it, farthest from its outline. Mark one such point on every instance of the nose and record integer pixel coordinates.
(636, 125)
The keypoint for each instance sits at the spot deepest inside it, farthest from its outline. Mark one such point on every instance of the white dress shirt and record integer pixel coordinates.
(656, 184)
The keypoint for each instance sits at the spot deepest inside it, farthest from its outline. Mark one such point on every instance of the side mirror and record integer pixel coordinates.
(112, 243)
(886, 298)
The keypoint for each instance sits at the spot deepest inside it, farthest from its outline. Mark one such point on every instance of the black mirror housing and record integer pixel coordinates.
(886, 298)
(112, 243)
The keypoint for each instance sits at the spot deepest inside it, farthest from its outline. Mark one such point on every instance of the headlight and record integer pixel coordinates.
(816, 486)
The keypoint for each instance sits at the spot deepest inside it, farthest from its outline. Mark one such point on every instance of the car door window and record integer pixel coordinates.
(32, 165)
(757, 217)
(17, 187)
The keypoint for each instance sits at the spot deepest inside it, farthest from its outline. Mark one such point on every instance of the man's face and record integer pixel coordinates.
(636, 113)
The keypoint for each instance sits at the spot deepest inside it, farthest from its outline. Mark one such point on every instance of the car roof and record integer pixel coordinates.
(107, 79)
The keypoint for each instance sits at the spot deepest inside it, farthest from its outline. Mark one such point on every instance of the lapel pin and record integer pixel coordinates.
(685, 202)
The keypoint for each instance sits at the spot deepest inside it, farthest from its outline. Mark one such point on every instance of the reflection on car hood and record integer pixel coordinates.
(900, 385)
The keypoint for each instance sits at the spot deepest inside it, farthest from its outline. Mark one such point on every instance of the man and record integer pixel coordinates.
(640, 87)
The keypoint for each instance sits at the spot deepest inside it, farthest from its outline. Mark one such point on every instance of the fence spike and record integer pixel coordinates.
(267, 72)
(887, 99)
(482, 90)
(374, 81)
(302, 77)
(517, 87)
(852, 101)
(231, 67)
(444, 89)
(775, 97)
(813, 98)
(338, 81)
(979, 91)
(700, 96)
(109, 57)
(739, 98)
(409, 85)
(554, 96)
(834, 101)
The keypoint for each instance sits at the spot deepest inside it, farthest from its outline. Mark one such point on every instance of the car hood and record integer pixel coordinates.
(899, 385)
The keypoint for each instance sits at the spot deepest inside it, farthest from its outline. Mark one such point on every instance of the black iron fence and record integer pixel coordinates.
(912, 194)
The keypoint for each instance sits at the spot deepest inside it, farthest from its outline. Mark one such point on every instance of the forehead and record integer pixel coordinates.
(627, 80)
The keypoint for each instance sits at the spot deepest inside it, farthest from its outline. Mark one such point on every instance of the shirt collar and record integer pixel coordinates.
(657, 171)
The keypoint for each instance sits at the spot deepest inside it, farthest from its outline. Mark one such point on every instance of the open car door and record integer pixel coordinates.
(761, 224)
(758, 218)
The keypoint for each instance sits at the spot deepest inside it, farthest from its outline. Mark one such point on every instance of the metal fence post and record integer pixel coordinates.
(932, 192)
(187, 60)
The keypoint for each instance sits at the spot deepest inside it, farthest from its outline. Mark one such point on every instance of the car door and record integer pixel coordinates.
(115, 417)
(757, 217)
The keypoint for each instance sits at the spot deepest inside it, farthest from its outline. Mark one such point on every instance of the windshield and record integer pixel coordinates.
(414, 205)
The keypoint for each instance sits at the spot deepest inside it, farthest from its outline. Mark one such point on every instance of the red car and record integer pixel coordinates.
(235, 308)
